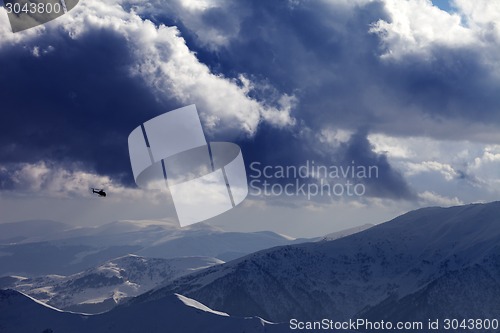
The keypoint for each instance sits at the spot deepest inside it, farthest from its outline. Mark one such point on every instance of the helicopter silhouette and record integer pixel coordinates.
(99, 191)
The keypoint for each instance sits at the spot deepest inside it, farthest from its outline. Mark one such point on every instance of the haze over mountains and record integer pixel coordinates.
(431, 263)
(26, 231)
(63, 250)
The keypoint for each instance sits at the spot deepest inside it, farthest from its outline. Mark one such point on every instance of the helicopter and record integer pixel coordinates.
(99, 191)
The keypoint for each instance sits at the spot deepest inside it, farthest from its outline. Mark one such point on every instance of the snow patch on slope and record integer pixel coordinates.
(197, 305)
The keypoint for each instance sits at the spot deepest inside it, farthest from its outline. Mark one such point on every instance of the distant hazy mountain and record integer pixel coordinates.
(24, 231)
(428, 263)
(172, 313)
(99, 289)
(70, 251)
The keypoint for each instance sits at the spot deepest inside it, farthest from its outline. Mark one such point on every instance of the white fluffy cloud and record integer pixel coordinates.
(54, 181)
(334, 136)
(417, 28)
(417, 25)
(482, 16)
(431, 198)
(45, 190)
(444, 171)
(166, 64)
(170, 67)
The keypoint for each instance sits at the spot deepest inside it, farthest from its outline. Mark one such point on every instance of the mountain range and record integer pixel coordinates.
(101, 288)
(174, 313)
(429, 263)
(63, 250)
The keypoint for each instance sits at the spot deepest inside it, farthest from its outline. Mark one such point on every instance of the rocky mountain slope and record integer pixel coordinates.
(173, 313)
(426, 263)
(100, 288)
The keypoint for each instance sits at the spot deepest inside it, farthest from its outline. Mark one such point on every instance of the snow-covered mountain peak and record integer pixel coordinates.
(101, 288)
(346, 276)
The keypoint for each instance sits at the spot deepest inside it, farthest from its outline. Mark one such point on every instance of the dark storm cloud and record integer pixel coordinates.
(6, 181)
(282, 148)
(389, 183)
(299, 49)
(325, 54)
(76, 103)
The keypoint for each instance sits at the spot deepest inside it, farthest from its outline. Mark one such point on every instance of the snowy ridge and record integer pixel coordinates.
(170, 314)
(101, 288)
(429, 253)
(197, 305)
(41, 303)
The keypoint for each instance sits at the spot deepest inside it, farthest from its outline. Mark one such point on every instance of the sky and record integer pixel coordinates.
(409, 87)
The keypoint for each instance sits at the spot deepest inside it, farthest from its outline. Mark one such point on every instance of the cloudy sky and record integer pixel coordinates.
(408, 86)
